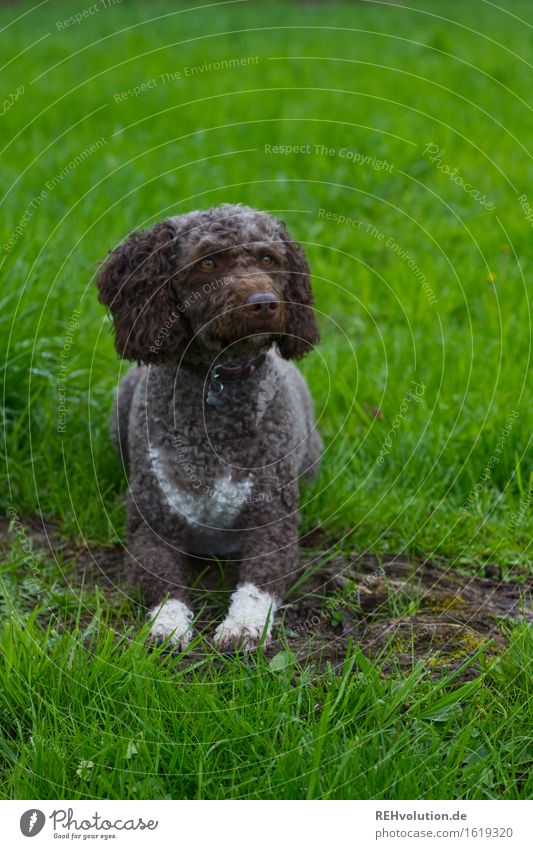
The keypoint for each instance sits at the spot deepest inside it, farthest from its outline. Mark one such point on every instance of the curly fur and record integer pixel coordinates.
(218, 479)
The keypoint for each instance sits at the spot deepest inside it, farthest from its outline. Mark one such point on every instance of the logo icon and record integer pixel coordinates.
(32, 822)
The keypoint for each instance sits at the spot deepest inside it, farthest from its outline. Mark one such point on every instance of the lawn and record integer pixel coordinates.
(394, 143)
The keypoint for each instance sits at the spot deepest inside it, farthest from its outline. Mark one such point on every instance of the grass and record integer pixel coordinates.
(96, 716)
(380, 81)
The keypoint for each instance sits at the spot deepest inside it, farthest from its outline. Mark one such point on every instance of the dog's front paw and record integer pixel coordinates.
(249, 620)
(233, 635)
(172, 621)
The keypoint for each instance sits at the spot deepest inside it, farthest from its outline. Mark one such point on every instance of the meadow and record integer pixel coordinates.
(395, 143)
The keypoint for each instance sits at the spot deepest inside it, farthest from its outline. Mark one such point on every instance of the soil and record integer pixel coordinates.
(397, 610)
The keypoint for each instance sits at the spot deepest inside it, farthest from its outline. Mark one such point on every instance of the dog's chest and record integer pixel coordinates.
(211, 497)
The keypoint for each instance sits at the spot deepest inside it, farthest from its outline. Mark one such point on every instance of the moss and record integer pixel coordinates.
(443, 603)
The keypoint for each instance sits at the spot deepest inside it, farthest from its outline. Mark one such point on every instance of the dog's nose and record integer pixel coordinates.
(263, 304)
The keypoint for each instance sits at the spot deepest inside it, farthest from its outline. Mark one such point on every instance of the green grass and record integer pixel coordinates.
(378, 80)
(124, 724)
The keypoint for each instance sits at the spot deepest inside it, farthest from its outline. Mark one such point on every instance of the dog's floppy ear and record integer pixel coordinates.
(136, 284)
(301, 332)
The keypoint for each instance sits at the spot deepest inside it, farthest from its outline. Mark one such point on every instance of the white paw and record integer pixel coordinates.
(172, 620)
(249, 619)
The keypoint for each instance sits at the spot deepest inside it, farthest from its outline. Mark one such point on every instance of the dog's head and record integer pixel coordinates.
(207, 281)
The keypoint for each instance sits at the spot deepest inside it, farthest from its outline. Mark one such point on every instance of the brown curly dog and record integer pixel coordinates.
(213, 425)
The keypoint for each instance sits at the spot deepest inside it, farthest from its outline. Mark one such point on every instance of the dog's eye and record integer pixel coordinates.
(207, 264)
(266, 260)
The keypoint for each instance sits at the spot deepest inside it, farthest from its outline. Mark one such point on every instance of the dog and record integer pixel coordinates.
(215, 426)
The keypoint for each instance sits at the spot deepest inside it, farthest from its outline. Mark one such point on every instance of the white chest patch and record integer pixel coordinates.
(215, 504)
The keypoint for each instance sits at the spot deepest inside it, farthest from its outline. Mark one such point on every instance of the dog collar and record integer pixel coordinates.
(230, 372)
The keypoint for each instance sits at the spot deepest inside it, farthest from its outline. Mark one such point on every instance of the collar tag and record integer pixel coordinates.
(230, 372)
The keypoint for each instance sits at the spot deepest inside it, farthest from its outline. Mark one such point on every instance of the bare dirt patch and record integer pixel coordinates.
(408, 611)
(420, 610)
